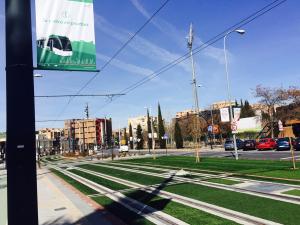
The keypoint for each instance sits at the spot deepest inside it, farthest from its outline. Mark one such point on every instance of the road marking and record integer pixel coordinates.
(298, 156)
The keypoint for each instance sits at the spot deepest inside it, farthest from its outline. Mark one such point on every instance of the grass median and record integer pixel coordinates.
(120, 211)
(277, 211)
(185, 213)
(81, 187)
(269, 168)
(99, 180)
(134, 177)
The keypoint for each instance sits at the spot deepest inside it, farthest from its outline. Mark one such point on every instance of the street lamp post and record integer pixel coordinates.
(152, 132)
(228, 86)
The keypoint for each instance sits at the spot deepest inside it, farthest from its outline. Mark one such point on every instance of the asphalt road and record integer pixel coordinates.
(217, 152)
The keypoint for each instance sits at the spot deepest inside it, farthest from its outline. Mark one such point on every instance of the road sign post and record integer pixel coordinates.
(21, 151)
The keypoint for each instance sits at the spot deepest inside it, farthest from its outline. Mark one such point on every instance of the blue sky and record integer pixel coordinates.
(267, 54)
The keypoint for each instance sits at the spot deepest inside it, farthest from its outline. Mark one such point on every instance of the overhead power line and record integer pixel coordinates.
(79, 95)
(203, 46)
(114, 55)
(196, 50)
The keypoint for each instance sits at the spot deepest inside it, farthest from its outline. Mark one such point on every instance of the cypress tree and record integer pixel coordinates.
(161, 129)
(178, 135)
(139, 137)
(149, 130)
(130, 136)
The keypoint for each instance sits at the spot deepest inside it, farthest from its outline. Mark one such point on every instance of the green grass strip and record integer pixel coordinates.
(223, 181)
(187, 214)
(295, 192)
(271, 168)
(137, 168)
(134, 177)
(268, 179)
(281, 212)
(126, 215)
(81, 187)
(99, 180)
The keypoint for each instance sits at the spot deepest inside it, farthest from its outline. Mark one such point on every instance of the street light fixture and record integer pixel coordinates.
(241, 32)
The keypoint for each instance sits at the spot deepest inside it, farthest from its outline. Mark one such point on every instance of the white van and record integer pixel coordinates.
(124, 148)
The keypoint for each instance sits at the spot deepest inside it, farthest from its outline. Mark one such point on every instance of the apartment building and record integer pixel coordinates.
(142, 120)
(83, 134)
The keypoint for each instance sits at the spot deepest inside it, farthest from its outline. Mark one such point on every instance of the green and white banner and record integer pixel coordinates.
(65, 35)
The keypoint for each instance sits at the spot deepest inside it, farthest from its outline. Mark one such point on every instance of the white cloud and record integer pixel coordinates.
(125, 66)
(177, 35)
(140, 45)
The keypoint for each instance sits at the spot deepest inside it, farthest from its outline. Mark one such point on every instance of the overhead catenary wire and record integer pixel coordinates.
(114, 56)
(78, 95)
(203, 46)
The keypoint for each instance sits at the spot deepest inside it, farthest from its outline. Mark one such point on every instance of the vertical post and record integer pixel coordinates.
(83, 136)
(21, 154)
(194, 83)
(152, 134)
(292, 151)
(229, 98)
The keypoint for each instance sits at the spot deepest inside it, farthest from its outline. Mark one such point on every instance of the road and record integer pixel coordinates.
(218, 152)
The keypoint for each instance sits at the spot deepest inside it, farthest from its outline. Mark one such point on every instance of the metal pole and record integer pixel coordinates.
(212, 123)
(194, 83)
(152, 134)
(21, 154)
(229, 97)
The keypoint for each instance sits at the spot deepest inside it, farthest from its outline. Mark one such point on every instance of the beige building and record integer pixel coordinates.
(142, 120)
(51, 133)
(87, 132)
(185, 113)
(222, 104)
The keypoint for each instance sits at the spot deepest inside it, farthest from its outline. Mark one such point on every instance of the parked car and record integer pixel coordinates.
(297, 144)
(249, 145)
(266, 143)
(283, 144)
(124, 148)
(229, 145)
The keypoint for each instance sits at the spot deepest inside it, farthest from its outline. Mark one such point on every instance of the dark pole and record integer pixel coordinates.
(21, 153)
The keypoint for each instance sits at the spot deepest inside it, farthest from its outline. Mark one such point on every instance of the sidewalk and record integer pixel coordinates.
(61, 204)
(3, 196)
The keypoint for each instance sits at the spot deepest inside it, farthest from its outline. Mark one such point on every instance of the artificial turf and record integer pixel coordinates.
(137, 168)
(270, 168)
(81, 187)
(295, 192)
(99, 180)
(277, 211)
(223, 181)
(187, 214)
(134, 177)
(126, 215)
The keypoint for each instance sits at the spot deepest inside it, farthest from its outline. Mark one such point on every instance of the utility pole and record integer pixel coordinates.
(194, 83)
(21, 153)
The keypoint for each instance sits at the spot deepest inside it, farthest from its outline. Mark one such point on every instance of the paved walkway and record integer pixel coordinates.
(3, 196)
(60, 204)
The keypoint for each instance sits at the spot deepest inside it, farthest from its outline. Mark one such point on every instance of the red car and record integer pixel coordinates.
(266, 143)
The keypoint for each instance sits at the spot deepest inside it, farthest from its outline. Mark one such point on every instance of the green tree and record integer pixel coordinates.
(246, 110)
(139, 137)
(149, 130)
(178, 136)
(161, 129)
(242, 104)
(130, 137)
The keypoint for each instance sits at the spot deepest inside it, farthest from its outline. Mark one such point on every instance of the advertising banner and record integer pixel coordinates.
(65, 35)
(224, 115)
(249, 124)
(236, 113)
